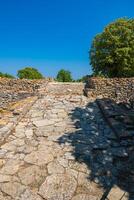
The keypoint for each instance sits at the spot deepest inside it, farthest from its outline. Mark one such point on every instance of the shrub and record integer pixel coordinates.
(29, 73)
(64, 76)
(6, 75)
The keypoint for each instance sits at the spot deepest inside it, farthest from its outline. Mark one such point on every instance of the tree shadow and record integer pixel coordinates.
(95, 144)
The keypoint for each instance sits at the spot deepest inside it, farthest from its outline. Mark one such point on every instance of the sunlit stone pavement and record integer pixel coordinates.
(60, 150)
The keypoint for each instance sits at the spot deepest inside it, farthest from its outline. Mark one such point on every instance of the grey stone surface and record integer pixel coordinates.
(115, 193)
(32, 175)
(60, 150)
(30, 195)
(85, 197)
(58, 187)
(55, 168)
(11, 167)
(39, 157)
(12, 189)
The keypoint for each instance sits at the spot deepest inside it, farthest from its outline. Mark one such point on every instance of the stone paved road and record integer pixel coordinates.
(54, 152)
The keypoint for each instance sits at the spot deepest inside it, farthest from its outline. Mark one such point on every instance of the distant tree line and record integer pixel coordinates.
(26, 73)
(6, 75)
(33, 73)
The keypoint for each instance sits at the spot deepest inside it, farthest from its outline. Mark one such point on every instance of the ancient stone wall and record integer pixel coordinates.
(119, 89)
(15, 89)
(60, 88)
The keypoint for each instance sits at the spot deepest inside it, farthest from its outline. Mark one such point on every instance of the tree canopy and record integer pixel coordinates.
(112, 51)
(29, 73)
(64, 76)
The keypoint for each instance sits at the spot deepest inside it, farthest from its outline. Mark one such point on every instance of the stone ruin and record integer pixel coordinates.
(118, 89)
(87, 156)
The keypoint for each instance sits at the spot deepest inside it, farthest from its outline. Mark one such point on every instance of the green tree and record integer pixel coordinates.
(64, 76)
(29, 73)
(6, 75)
(112, 51)
(84, 78)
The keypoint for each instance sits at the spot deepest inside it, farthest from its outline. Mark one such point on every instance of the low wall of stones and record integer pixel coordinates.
(119, 89)
(16, 89)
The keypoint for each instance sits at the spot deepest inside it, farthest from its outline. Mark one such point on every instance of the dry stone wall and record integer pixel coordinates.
(16, 89)
(119, 89)
(12, 90)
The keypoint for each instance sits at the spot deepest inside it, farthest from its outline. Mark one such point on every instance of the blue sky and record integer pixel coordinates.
(54, 34)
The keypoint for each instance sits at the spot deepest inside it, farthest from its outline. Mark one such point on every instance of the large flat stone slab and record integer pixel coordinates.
(59, 187)
(39, 157)
(44, 122)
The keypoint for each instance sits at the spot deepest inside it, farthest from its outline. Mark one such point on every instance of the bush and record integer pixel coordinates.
(6, 75)
(29, 73)
(64, 76)
(112, 51)
(84, 79)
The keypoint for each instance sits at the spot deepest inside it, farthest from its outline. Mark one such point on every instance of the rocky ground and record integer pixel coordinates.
(61, 150)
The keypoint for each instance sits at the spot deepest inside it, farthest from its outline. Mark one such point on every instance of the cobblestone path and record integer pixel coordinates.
(54, 152)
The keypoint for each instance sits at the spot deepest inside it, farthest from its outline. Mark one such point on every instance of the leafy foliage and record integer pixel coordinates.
(6, 75)
(112, 51)
(64, 76)
(84, 78)
(29, 73)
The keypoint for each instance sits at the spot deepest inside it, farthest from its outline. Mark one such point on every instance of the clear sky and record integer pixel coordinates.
(54, 34)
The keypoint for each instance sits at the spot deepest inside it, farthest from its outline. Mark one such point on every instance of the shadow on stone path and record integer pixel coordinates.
(95, 145)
